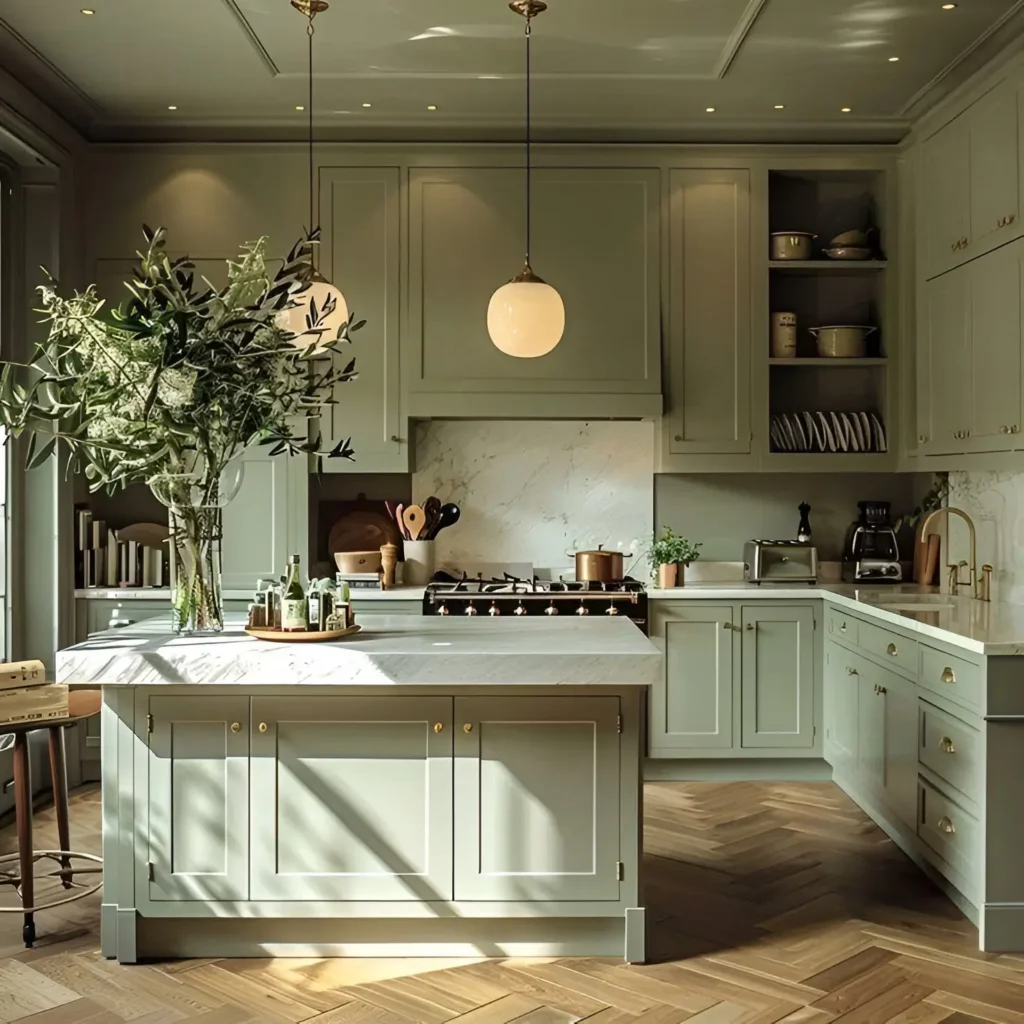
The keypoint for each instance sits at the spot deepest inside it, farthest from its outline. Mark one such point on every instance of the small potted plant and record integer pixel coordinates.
(672, 554)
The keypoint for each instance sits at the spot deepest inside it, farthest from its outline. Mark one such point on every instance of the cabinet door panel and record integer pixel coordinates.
(948, 353)
(537, 798)
(871, 728)
(467, 238)
(198, 793)
(709, 311)
(901, 746)
(351, 798)
(361, 255)
(778, 676)
(945, 214)
(993, 167)
(840, 695)
(692, 706)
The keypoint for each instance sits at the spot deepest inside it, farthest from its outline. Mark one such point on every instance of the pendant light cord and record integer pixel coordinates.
(528, 163)
(309, 32)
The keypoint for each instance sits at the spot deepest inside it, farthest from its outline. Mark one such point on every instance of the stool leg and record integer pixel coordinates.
(59, 780)
(23, 817)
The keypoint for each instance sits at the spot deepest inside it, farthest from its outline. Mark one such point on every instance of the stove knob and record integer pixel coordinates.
(583, 609)
(611, 609)
(519, 609)
(551, 609)
(471, 609)
(443, 610)
(493, 610)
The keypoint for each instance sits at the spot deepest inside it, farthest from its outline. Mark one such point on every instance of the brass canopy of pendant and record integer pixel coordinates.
(310, 7)
(526, 275)
(527, 8)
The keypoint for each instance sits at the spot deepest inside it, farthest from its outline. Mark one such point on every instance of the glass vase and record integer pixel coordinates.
(195, 499)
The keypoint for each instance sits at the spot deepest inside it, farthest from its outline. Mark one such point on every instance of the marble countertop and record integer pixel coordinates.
(989, 628)
(391, 650)
(163, 594)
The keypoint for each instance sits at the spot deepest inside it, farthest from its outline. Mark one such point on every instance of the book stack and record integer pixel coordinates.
(105, 560)
(26, 696)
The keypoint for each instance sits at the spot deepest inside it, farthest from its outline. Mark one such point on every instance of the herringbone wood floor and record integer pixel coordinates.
(766, 903)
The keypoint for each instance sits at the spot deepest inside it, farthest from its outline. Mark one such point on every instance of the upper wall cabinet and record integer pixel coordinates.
(361, 218)
(709, 313)
(596, 238)
(971, 173)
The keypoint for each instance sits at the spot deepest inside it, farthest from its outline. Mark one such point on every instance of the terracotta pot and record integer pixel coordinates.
(667, 575)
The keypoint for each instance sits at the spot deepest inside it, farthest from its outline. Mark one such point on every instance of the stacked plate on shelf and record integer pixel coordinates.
(827, 432)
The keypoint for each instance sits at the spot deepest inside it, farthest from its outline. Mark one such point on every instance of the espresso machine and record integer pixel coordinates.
(870, 554)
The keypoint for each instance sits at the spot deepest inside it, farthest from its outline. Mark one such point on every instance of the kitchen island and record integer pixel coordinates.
(431, 786)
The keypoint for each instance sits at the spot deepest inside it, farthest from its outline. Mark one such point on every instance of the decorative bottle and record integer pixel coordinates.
(294, 609)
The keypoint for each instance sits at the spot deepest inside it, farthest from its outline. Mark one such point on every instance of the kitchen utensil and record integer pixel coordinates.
(419, 562)
(362, 529)
(414, 520)
(431, 515)
(848, 252)
(844, 341)
(931, 562)
(388, 562)
(792, 245)
(597, 566)
(803, 531)
(783, 335)
(870, 552)
(774, 561)
(400, 520)
(850, 238)
(450, 513)
(357, 561)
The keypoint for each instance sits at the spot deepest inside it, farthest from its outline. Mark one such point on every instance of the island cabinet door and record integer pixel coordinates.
(351, 798)
(195, 811)
(536, 798)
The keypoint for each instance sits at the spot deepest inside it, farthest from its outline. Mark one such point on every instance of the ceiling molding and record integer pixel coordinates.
(738, 37)
(254, 40)
(1000, 34)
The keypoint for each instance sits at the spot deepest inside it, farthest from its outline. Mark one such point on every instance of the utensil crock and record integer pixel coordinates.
(419, 562)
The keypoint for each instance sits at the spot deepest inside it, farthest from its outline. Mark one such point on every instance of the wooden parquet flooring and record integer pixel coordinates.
(766, 903)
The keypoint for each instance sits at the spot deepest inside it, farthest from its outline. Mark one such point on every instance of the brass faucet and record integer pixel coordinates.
(981, 585)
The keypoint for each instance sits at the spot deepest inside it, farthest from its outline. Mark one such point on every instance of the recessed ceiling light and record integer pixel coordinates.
(367, 105)
(845, 110)
(780, 106)
(299, 106)
(710, 110)
(892, 60)
(88, 10)
(431, 106)
(172, 107)
(948, 7)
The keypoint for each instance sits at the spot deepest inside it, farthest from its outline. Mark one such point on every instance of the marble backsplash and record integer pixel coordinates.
(995, 501)
(531, 491)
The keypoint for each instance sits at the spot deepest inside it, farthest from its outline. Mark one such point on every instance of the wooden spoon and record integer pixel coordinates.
(414, 520)
(450, 513)
(432, 515)
(400, 520)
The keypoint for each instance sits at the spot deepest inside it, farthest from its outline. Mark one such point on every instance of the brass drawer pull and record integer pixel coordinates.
(946, 825)
(946, 743)
(851, 671)
(468, 727)
(948, 675)
(263, 726)
(842, 628)
(438, 727)
(891, 650)
(236, 726)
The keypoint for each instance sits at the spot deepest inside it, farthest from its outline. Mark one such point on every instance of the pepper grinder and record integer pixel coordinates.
(388, 561)
(803, 531)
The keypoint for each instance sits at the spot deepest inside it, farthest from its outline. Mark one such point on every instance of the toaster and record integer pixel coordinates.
(780, 561)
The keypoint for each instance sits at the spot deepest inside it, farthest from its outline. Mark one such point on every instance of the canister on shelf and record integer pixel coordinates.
(783, 335)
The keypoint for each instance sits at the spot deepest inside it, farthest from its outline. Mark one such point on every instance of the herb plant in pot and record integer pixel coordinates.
(171, 387)
(671, 554)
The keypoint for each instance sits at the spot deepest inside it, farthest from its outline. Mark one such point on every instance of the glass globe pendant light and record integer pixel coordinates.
(526, 317)
(319, 302)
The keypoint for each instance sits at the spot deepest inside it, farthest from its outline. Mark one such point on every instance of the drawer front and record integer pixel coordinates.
(951, 677)
(899, 652)
(842, 626)
(953, 833)
(949, 748)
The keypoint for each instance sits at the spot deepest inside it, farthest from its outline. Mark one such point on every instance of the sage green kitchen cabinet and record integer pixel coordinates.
(267, 520)
(351, 798)
(994, 175)
(945, 213)
(692, 705)
(901, 745)
(537, 798)
(709, 313)
(361, 210)
(195, 820)
(870, 728)
(841, 697)
(944, 363)
(596, 238)
(777, 676)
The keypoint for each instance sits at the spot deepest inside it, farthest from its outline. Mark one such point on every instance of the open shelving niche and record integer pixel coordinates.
(821, 292)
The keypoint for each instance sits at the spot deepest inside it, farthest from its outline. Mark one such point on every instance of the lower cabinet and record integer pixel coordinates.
(739, 679)
(390, 798)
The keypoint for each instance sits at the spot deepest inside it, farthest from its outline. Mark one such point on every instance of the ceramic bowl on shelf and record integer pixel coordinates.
(792, 245)
(842, 341)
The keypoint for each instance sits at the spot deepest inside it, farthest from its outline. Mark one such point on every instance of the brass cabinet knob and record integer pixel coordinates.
(882, 691)
(678, 437)
(750, 625)
(948, 675)
(946, 825)
(891, 650)
(963, 242)
(726, 625)
(236, 726)
(263, 726)
(1011, 218)
(842, 628)
(921, 438)
(438, 727)
(946, 745)
(395, 439)
(468, 727)
(851, 671)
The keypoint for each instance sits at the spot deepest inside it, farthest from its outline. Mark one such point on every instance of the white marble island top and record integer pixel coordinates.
(391, 650)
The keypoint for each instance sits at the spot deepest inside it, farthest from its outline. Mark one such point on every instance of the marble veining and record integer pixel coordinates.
(531, 491)
(391, 650)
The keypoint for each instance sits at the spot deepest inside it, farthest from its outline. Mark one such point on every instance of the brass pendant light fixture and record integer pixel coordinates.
(321, 302)
(526, 317)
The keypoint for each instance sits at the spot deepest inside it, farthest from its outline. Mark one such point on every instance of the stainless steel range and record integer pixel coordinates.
(509, 595)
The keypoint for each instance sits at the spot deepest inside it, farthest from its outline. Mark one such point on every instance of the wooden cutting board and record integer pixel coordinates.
(362, 529)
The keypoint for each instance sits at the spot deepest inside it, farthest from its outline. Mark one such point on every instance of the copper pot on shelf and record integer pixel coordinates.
(598, 566)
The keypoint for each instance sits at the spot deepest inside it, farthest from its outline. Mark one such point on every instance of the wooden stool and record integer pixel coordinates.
(82, 704)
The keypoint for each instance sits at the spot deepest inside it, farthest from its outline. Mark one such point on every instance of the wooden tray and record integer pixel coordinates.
(307, 637)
